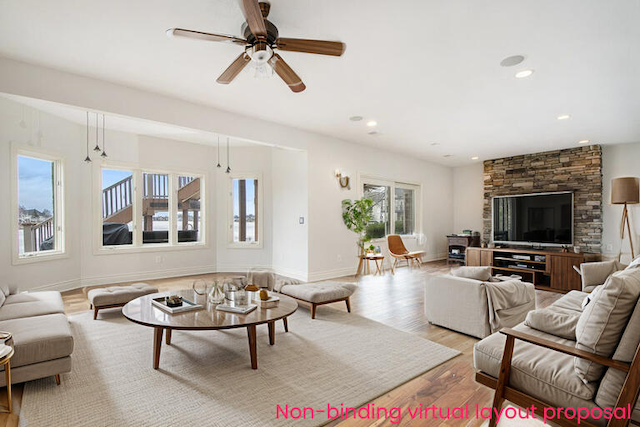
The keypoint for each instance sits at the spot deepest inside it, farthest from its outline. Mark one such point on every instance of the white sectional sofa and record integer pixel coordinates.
(41, 336)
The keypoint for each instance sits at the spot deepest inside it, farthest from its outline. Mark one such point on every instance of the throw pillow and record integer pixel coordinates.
(5, 289)
(561, 325)
(604, 319)
(476, 273)
(596, 273)
(591, 296)
(2, 299)
(634, 264)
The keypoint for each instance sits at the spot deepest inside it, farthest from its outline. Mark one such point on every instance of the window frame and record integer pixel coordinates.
(137, 171)
(59, 205)
(259, 244)
(393, 184)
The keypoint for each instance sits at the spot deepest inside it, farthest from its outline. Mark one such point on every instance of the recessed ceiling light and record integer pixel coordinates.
(435, 144)
(355, 118)
(510, 61)
(523, 74)
(373, 132)
(563, 117)
(475, 158)
(447, 155)
(584, 141)
(372, 123)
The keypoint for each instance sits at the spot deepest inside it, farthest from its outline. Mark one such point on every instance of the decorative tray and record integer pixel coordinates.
(186, 305)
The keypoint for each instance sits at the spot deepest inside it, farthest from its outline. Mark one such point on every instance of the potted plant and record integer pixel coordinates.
(371, 249)
(356, 215)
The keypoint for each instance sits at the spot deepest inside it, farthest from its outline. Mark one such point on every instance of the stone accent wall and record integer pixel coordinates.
(576, 169)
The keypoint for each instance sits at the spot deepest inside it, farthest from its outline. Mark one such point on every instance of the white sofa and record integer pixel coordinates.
(41, 336)
(464, 303)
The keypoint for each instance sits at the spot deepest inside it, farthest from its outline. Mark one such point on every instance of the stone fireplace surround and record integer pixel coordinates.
(577, 169)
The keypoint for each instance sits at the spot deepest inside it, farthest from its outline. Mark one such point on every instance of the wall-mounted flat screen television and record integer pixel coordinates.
(543, 218)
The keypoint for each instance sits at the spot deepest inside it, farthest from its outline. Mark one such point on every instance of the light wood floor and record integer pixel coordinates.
(395, 300)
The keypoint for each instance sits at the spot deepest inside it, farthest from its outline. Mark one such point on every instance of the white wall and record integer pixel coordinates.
(142, 151)
(468, 197)
(331, 247)
(244, 160)
(619, 161)
(290, 202)
(83, 265)
(55, 137)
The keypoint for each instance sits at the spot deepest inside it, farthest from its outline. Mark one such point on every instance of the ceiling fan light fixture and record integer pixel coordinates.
(260, 53)
(263, 71)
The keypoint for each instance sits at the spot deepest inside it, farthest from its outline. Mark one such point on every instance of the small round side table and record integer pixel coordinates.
(6, 362)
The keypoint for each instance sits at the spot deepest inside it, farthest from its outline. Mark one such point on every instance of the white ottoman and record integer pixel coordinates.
(315, 294)
(117, 296)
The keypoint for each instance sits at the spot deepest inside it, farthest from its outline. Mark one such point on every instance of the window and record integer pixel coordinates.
(405, 209)
(391, 215)
(38, 205)
(380, 224)
(117, 207)
(142, 209)
(155, 208)
(245, 210)
(188, 209)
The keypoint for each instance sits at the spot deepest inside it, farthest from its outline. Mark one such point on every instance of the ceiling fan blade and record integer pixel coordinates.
(253, 15)
(190, 34)
(234, 69)
(286, 73)
(321, 47)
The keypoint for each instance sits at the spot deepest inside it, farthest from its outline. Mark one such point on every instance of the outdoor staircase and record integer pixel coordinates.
(117, 199)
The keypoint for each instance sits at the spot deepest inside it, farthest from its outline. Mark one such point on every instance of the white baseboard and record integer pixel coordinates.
(294, 274)
(331, 274)
(68, 285)
(350, 271)
(128, 277)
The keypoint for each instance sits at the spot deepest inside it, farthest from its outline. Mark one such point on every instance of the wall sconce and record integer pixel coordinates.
(342, 180)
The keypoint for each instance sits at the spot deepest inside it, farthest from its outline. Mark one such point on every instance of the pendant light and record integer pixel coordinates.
(87, 159)
(104, 144)
(97, 147)
(228, 166)
(219, 165)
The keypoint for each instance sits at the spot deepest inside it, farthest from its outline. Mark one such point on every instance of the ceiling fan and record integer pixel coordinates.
(259, 42)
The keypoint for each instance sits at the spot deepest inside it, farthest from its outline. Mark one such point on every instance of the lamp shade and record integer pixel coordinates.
(625, 190)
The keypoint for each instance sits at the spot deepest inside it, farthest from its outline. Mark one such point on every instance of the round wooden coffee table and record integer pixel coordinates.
(6, 361)
(141, 311)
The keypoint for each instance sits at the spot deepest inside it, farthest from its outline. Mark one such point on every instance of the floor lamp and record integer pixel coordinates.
(625, 191)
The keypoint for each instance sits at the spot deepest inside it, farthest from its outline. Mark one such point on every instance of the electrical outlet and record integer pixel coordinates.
(338, 257)
(301, 220)
(159, 259)
(609, 247)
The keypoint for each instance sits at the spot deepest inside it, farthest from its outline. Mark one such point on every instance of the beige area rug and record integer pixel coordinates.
(205, 378)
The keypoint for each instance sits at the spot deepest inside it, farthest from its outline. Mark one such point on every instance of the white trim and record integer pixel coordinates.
(294, 274)
(128, 277)
(137, 171)
(331, 274)
(259, 244)
(59, 205)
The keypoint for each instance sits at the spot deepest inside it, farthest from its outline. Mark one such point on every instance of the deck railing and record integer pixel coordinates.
(35, 234)
(119, 196)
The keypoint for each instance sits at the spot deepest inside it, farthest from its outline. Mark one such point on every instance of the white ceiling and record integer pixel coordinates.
(427, 70)
(126, 124)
